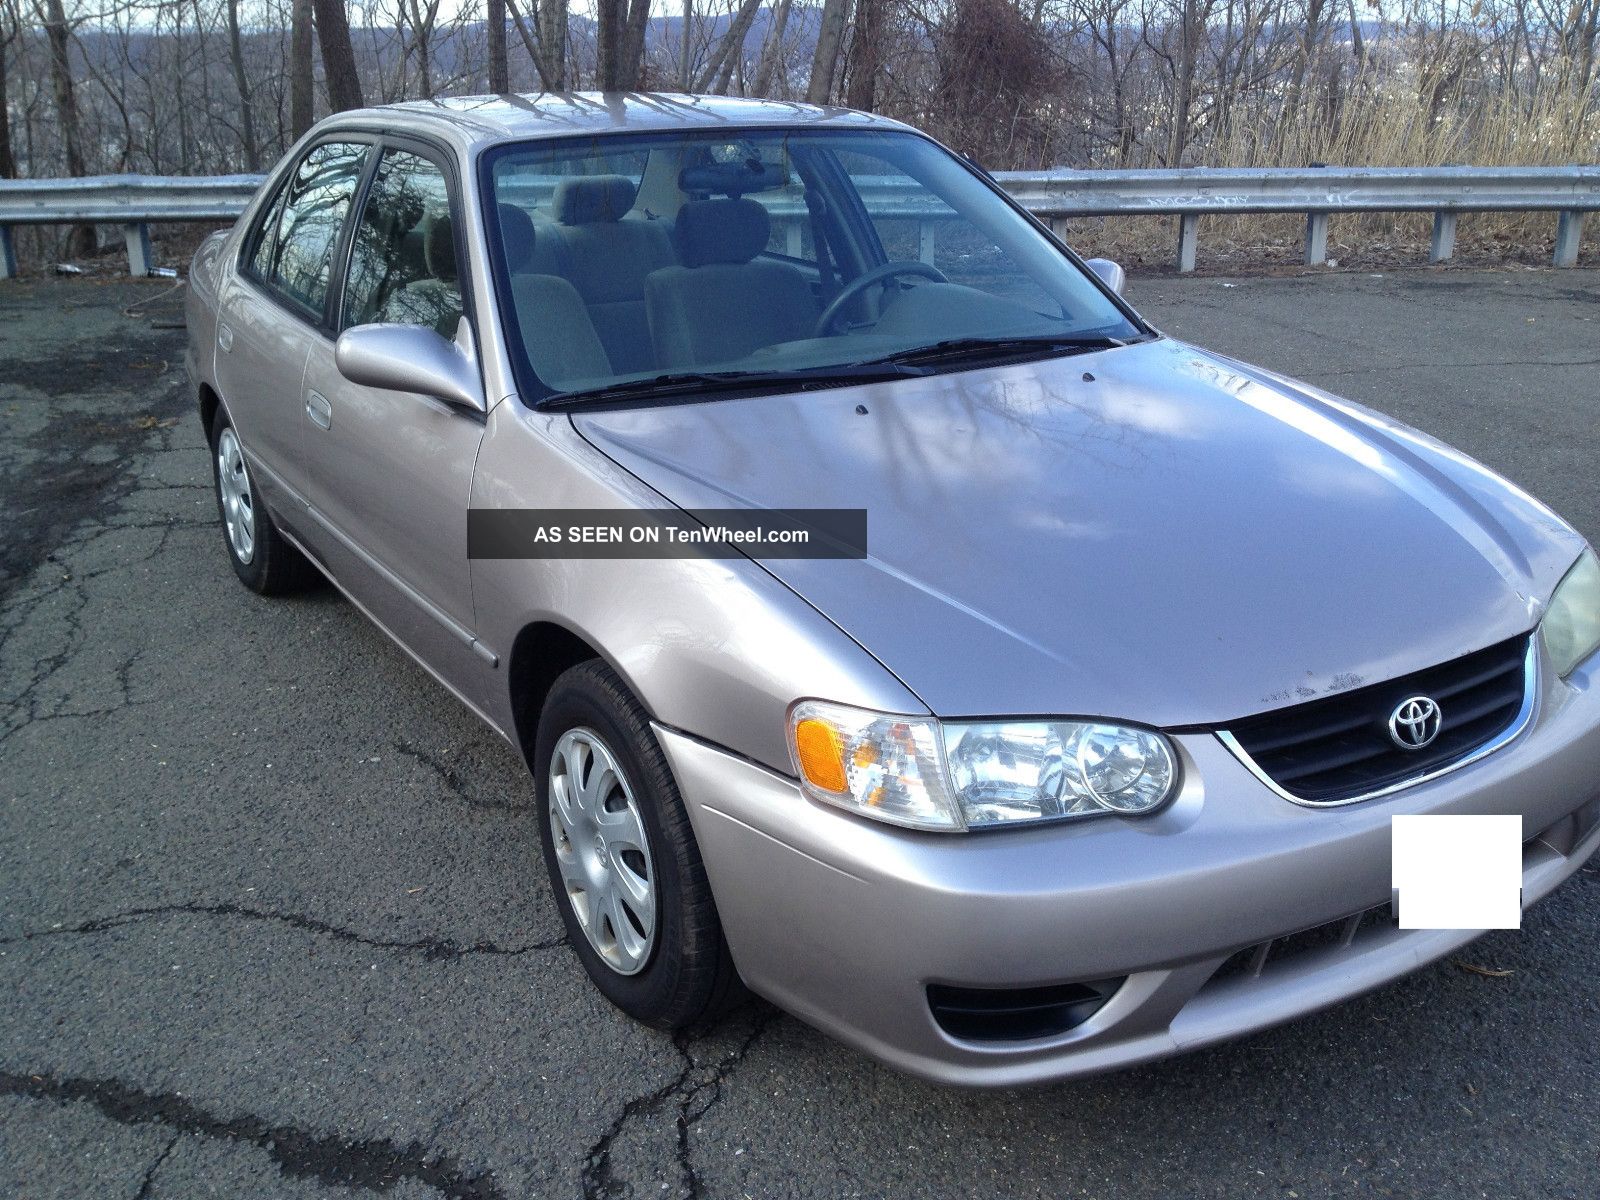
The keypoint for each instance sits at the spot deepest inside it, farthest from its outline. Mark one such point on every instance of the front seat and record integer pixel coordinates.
(606, 254)
(722, 302)
(435, 300)
(556, 332)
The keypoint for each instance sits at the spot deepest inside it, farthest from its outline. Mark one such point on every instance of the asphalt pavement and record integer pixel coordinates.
(273, 921)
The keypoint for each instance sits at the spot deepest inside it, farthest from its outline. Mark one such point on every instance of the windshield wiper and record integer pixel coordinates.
(978, 349)
(679, 383)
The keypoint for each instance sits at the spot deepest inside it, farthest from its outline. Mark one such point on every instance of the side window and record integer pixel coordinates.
(403, 259)
(915, 224)
(265, 237)
(295, 257)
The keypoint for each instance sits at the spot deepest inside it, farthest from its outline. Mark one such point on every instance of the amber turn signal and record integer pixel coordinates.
(819, 748)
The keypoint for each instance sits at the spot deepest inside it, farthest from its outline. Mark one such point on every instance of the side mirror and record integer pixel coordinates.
(1111, 274)
(409, 358)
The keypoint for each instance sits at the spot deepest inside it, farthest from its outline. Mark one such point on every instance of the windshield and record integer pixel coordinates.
(623, 262)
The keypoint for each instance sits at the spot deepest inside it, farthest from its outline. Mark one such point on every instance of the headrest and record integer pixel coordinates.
(587, 199)
(720, 231)
(517, 237)
(439, 248)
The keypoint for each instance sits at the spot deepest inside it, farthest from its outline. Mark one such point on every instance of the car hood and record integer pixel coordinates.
(1151, 533)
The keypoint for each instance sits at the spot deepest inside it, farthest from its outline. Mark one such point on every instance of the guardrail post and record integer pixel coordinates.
(1569, 229)
(1316, 238)
(137, 236)
(1188, 240)
(1444, 236)
(925, 236)
(792, 243)
(8, 254)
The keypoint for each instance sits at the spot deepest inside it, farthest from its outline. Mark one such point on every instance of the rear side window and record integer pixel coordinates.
(294, 256)
(403, 259)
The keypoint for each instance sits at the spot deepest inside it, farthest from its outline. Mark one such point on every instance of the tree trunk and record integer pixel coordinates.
(551, 22)
(610, 19)
(825, 63)
(719, 71)
(1183, 82)
(686, 50)
(499, 71)
(767, 68)
(338, 57)
(247, 120)
(866, 54)
(633, 44)
(301, 94)
(81, 241)
(8, 161)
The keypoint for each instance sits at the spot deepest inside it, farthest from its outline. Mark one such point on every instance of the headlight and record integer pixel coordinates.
(1571, 625)
(969, 774)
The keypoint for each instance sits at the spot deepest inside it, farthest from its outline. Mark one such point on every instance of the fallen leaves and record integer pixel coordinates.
(1486, 972)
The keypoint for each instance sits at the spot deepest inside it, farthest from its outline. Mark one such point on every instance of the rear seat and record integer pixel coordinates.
(606, 252)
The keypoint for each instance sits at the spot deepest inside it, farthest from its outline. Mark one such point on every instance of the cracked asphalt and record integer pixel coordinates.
(273, 921)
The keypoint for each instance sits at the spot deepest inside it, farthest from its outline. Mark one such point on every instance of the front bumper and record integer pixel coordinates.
(845, 922)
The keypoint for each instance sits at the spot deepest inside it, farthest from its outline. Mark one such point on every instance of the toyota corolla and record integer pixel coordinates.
(1042, 690)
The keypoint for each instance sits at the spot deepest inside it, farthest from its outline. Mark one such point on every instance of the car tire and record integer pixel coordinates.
(681, 975)
(262, 558)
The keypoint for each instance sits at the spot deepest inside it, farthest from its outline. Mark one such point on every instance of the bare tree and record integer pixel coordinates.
(81, 239)
(830, 40)
(717, 76)
(620, 27)
(300, 68)
(338, 57)
(241, 81)
(772, 51)
(10, 31)
(544, 35)
(499, 69)
(422, 15)
(866, 55)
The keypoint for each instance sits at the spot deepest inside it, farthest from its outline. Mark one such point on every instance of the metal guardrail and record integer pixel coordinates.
(136, 201)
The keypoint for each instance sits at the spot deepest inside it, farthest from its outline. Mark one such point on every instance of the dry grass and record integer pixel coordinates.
(1381, 122)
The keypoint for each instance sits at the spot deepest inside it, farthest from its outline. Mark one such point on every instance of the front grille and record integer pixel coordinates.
(1338, 749)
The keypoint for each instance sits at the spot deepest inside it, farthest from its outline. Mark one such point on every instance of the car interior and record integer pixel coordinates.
(743, 257)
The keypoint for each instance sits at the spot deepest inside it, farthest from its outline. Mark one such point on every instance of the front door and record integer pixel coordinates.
(389, 474)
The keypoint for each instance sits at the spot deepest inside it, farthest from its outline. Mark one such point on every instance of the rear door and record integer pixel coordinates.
(389, 474)
(273, 307)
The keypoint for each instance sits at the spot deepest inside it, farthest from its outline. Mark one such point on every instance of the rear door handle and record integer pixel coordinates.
(319, 410)
(224, 338)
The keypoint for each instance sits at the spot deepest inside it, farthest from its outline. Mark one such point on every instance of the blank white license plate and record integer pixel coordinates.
(1452, 872)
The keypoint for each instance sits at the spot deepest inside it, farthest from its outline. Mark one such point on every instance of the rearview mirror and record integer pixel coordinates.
(1110, 273)
(409, 358)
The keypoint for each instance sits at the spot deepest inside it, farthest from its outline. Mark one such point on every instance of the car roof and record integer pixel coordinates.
(479, 120)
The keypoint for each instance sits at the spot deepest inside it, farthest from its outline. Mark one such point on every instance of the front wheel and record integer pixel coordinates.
(622, 858)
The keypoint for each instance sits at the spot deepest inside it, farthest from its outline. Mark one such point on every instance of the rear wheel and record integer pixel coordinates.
(263, 560)
(622, 858)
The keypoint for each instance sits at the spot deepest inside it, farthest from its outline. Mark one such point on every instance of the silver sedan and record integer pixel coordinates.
(895, 624)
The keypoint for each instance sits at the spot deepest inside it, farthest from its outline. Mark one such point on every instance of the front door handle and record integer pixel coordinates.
(319, 410)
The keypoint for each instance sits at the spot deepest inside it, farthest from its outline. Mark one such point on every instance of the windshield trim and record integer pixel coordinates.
(534, 393)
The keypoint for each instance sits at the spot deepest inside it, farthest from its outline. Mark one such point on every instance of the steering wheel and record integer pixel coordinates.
(865, 280)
